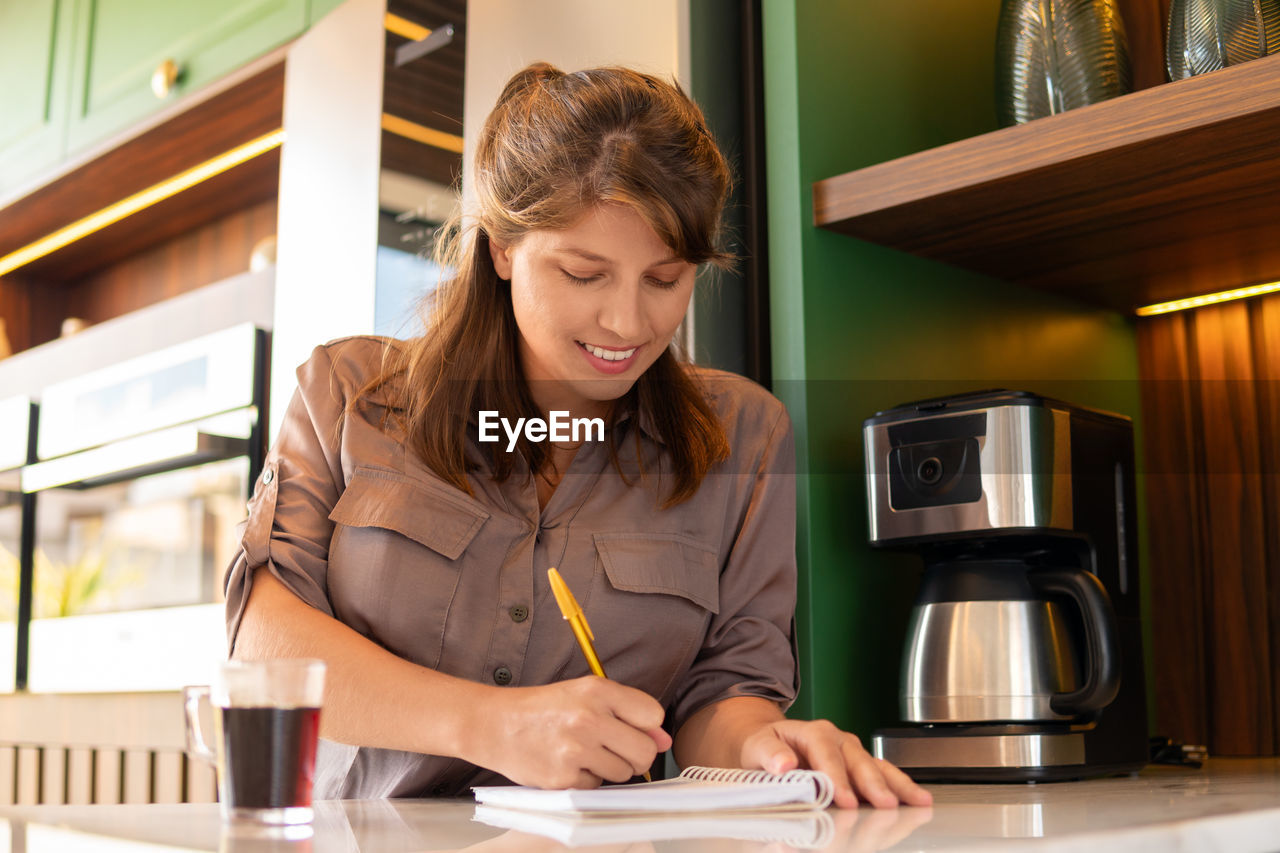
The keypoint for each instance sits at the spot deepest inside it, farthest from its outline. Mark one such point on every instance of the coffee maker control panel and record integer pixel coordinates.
(968, 470)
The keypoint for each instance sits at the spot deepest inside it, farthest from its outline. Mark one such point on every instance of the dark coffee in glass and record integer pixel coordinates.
(267, 756)
(266, 723)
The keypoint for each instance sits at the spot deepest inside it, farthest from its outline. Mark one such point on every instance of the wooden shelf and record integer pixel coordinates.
(1168, 192)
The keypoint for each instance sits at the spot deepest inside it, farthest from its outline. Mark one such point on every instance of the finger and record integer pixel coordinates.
(634, 707)
(607, 764)
(868, 781)
(586, 779)
(636, 748)
(825, 754)
(768, 751)
(906, 789)
(661, 739)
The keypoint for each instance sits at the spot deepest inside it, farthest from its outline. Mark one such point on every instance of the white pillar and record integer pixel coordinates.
(328, 208)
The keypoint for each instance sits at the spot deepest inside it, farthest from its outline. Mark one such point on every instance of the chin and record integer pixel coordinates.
(605, 390)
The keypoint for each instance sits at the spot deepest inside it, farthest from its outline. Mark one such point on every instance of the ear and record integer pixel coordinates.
(501, 256)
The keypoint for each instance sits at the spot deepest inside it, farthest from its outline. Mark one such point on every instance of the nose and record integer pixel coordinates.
(621, 312)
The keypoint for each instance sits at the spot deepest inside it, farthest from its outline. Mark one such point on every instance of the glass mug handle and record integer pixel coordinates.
(196, 743)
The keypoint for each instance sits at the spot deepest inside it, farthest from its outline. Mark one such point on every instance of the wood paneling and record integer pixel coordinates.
(208, 254)
(53, 782)
(29, 779)
(138, 776)
(1163, 193)
(8, 775)
(1177, 600)
(108, 776)
(198, 257)
(15, 309)
(427, 91)
(80, 776)
(1211, 409)
(1145, 22)
(56, 774)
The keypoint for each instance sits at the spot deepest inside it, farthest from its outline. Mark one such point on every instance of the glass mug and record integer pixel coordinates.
(266, 721)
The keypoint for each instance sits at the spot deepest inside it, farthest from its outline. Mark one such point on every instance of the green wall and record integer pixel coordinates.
(858, 328)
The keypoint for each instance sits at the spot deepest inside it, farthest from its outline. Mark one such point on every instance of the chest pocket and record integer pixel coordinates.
(394, 559)
(658, 597)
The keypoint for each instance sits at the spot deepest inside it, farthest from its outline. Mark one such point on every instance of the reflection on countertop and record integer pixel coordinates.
(1230, 804)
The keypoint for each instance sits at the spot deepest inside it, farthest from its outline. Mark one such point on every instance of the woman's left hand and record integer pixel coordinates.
(818, 745)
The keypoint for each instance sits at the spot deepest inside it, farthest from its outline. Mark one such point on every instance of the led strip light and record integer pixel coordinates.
(139, 201)
(1208, 299)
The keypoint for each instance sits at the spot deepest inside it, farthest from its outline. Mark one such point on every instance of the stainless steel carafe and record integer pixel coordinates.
(992, 641)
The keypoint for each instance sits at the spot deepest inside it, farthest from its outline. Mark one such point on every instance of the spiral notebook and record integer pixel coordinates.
(697, 789)
(799, 829)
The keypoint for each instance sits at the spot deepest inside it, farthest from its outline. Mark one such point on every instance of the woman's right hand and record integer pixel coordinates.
(570, 734)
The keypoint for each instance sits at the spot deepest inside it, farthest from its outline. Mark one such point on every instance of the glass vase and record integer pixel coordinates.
(1056, 55)
(1205, 35)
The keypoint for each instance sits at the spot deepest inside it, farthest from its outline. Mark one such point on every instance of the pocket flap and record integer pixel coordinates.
(428, 513)
(661, 562)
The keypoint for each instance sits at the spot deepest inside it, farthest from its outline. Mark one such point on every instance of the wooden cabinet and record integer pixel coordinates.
(200, 235)
(120, 44)
(35, 49)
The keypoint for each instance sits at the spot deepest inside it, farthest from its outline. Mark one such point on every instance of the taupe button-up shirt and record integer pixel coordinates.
(691, 604)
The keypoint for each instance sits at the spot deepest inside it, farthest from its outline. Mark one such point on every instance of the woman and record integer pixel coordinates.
(388, 539)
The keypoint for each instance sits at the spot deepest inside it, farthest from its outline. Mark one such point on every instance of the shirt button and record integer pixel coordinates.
(502, 676)
(268, 475)
(519, 613)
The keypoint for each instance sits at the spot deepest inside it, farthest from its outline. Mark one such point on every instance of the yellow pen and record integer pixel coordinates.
(577, 620)
(572, 612)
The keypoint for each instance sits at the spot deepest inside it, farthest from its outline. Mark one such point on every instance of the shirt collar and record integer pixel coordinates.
(644, 420)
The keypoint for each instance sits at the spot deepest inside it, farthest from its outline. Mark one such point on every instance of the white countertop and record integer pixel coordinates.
(1229, 805)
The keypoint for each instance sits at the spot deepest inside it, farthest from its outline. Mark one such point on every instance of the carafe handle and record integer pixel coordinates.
(1102, 649)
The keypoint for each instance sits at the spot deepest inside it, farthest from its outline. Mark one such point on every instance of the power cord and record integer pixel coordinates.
(1165, 751)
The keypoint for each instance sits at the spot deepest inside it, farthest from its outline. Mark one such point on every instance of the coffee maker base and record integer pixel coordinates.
(991, 753)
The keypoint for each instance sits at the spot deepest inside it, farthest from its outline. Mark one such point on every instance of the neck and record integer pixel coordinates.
(550, 400)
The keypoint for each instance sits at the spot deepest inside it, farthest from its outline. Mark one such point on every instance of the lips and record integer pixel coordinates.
(607, 360)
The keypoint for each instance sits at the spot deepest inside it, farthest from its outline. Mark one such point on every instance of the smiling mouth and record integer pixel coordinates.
(608, 354)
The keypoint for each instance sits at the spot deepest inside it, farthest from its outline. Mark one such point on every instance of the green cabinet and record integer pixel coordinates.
(119, 45)
(35, 49)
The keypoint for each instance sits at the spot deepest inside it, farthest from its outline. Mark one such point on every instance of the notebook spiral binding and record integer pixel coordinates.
(821, 782)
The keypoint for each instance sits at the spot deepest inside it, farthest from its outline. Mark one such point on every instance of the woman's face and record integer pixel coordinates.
(595, 303)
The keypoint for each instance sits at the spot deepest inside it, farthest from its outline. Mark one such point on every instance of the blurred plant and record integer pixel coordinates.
(61, 589)
(68, 589)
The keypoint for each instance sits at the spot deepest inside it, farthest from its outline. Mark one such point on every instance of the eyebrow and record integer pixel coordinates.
(600, 259)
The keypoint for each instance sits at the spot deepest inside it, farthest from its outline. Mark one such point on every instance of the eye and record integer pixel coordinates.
(663, 283)
(579, 280)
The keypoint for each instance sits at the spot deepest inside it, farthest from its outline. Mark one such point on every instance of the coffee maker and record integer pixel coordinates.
(1023, 656)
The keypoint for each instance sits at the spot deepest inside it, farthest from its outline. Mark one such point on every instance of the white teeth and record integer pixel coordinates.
(609, 355)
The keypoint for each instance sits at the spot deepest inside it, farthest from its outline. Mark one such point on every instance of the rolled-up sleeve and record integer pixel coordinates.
(750, 648)
(288, 528)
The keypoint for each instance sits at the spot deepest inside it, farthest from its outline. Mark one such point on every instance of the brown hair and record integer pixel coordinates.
(555, 145)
